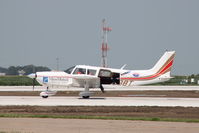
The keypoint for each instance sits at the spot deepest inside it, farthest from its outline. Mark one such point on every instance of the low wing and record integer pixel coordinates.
(82, 80)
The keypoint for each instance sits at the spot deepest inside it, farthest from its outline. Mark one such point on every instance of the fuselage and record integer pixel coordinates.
(75, 76)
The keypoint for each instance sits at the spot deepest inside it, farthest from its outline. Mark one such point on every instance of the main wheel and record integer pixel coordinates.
(85, 97)
(44, 96)
(85, 94)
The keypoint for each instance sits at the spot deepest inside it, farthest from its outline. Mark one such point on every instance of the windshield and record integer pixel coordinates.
(91, 72)
(80, 71)
(69, 70)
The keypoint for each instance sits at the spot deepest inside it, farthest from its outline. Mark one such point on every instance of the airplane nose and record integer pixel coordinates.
(32, 75)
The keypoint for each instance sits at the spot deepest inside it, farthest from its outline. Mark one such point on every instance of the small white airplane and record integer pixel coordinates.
(87, 77)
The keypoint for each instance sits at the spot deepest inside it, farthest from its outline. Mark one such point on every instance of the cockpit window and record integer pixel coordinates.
(80, 71)
(91, 72)
(69, 70)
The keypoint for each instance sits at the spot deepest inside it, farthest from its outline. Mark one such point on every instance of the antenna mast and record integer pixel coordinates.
(105, 47)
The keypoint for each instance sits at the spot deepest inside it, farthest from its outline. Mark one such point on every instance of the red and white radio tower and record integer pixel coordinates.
(105, 47)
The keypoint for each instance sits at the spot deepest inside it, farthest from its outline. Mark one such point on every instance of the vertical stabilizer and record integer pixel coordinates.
(165, 63)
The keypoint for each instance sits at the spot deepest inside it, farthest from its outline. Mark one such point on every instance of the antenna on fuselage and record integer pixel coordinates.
(123, 67)
(104, 46)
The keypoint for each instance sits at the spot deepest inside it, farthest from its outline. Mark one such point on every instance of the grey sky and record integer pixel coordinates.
(38, 31)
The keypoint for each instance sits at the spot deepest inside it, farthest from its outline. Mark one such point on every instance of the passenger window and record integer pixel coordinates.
(80, 71)
(91, 72)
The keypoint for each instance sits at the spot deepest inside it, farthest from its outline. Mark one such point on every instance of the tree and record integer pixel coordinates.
(28, 69)
(12, 71)
(3, 70)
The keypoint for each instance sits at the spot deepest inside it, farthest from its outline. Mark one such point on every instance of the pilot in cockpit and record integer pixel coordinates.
(80, 71)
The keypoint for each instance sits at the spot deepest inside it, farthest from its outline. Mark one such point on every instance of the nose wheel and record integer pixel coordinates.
(47, 93)
(44, 96)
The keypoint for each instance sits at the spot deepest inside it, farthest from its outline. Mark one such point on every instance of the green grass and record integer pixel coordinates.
(16, 81)
(100, 117)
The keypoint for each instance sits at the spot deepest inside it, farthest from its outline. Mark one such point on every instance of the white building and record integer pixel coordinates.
(2, 74)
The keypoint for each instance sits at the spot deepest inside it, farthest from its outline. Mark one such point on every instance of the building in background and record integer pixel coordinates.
(2, 74)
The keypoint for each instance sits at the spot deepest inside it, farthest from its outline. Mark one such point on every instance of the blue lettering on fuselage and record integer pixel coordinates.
(45, 79)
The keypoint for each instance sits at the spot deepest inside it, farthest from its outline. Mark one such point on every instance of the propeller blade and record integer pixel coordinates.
(33, 81)
(102, 88)
(33, 84)
(33, 76)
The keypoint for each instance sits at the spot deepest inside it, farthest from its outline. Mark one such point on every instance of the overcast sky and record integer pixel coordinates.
(39, 31)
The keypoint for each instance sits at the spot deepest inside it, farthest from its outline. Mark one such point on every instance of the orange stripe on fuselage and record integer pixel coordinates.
(154, 76)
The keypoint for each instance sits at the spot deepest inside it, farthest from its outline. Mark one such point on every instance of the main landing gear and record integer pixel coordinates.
(86, 93)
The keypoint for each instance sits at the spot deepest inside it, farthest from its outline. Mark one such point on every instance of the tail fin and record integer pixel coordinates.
(163, 66)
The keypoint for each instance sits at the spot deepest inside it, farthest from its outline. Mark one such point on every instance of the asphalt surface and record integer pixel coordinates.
(99, 101)
(125, 100)
(107, 88)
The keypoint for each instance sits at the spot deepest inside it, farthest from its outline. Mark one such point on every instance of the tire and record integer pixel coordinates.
(44, 96)
(85, 97)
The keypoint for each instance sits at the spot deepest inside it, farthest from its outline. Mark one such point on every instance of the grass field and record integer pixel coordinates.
(16, 81)
(100, 117)
(172, 114)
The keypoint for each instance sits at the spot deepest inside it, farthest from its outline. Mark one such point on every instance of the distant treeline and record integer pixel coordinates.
(24, 70)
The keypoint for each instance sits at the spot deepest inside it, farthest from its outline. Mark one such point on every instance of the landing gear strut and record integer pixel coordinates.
(86, 93)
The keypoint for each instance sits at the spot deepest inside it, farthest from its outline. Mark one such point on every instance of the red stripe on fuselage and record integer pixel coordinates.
(154, 76)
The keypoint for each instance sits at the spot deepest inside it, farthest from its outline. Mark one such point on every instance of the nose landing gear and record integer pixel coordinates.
(47, 93)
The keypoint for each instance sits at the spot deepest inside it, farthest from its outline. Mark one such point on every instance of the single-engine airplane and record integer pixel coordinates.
(83, 76)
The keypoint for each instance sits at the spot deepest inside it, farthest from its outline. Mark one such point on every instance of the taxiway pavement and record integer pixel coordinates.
(107, 88)
(98, 101)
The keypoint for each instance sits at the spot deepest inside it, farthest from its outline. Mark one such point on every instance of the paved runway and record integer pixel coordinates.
(107, 88)
(108, 101)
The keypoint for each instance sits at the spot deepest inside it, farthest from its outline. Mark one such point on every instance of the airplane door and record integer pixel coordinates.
(105, 76)
(115, 78)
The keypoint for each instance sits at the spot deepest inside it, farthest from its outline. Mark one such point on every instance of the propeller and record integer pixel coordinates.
(33, 76)
(33, 81)
(102, 88)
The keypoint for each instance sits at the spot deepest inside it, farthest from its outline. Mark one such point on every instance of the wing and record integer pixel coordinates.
(82, 80)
